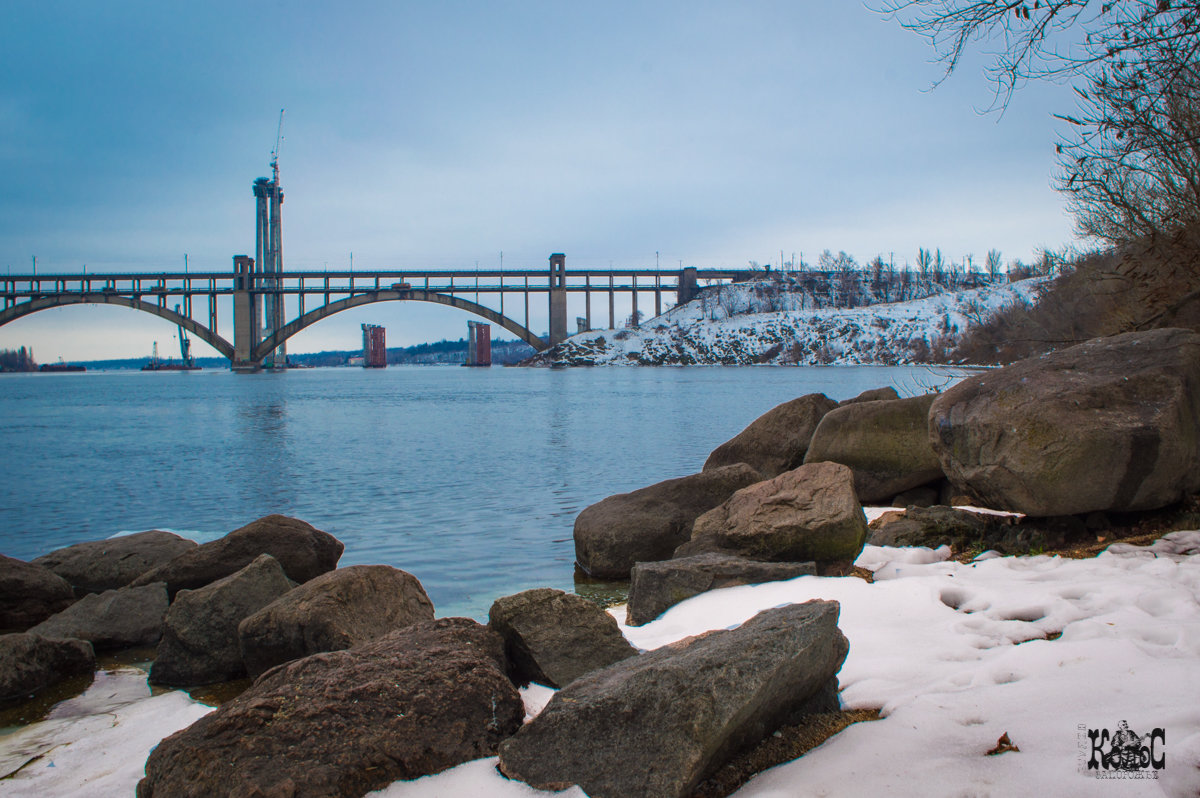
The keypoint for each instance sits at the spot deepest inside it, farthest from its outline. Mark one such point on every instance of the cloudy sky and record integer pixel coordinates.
(438, 135)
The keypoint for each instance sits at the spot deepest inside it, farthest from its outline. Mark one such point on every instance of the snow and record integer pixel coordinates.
(703, 332)
(953, 654)
(957, 654)
(95, 744)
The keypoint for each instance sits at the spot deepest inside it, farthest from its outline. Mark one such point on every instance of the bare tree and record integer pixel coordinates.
(1047, 38)
(994, 262)
(924, 260)
(1131, 164)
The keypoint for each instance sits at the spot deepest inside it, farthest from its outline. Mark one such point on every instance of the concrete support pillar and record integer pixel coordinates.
(558, 298)
(245, 315)
(688, 287)
(612, 315)
(635, 322)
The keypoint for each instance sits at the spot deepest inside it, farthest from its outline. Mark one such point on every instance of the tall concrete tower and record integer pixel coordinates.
(268, 242)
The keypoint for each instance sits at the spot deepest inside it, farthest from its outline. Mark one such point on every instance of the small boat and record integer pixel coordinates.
(60, 366)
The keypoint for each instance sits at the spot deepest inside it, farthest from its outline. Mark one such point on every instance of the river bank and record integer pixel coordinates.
(921, 633)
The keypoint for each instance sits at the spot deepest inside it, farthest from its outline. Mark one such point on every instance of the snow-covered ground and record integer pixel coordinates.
(735, 331)
(1040, 648)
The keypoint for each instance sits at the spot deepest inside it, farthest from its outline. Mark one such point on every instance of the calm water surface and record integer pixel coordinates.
(468, 478)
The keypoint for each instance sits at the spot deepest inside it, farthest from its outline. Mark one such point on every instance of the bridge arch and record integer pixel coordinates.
(61, 300)
(370, 297)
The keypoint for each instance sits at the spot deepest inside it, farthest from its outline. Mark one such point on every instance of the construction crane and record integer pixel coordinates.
(278, 143)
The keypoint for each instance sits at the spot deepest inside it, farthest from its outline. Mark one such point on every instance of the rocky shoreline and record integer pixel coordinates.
(357, 685)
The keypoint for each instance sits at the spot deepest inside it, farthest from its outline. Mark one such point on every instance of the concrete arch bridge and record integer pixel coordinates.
(191, 300)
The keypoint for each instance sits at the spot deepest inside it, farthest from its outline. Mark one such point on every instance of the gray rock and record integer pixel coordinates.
(658, 586)
(200, 634)
(411, 703)
(553, 638)
(777, 440)
(1110, 425)
(657, 724)
(301, 549)
(29, 594)
(924, 496)
(29, 663)
(873, 395)
(884, 442)
(810, 513)
(100, 565)
(114, 619)
(334, 611)
(647, 524)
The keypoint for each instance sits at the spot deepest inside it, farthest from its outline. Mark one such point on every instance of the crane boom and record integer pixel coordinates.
(278, 143)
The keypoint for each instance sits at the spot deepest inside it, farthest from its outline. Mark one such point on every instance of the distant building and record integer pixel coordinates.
(374, 348)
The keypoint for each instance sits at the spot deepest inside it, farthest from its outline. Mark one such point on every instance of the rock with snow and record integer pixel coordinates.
(655, 587)
(29, 663)
(334, 611)
(884, 442)
(937, 526)
(810, 513)
(777, 440)
(200, 634)
(552, 637)
(657, 724)
(1111, 424)
(648, 524)
(413, 702)
(303, 550)
(99, 565)
(29, 594)
(115, 619)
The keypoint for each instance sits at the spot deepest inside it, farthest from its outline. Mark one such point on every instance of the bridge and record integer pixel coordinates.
(192, 300)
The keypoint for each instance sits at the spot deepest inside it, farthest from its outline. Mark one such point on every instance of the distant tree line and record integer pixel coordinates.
(17, 360)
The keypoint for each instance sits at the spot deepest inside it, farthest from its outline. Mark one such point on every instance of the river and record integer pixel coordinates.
(470, 479)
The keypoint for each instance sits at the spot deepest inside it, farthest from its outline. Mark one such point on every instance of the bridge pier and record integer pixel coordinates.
(688, 287)
(245, 315)
(558, 298)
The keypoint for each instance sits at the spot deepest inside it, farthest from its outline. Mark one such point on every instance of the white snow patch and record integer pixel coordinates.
(935, 648)
(95, 744)
(702, 332)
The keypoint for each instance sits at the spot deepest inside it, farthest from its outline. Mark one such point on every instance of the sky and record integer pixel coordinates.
(439, 135)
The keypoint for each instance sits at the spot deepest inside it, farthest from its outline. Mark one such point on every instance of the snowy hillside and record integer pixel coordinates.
(746, 324)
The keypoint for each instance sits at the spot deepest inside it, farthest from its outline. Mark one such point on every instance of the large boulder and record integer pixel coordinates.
(29, 594)
(553, 638)
(884, 442)
(1111, 424)
(809, 513)
(655, 587)
(100, 565)
(303, 550)
(966, 531)
(29, 663)
(413, 702)
(332, 612)
(200, 634)
(777, 440)
(114, 619)
(657, 724)
(873, 395)
(647, 524)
